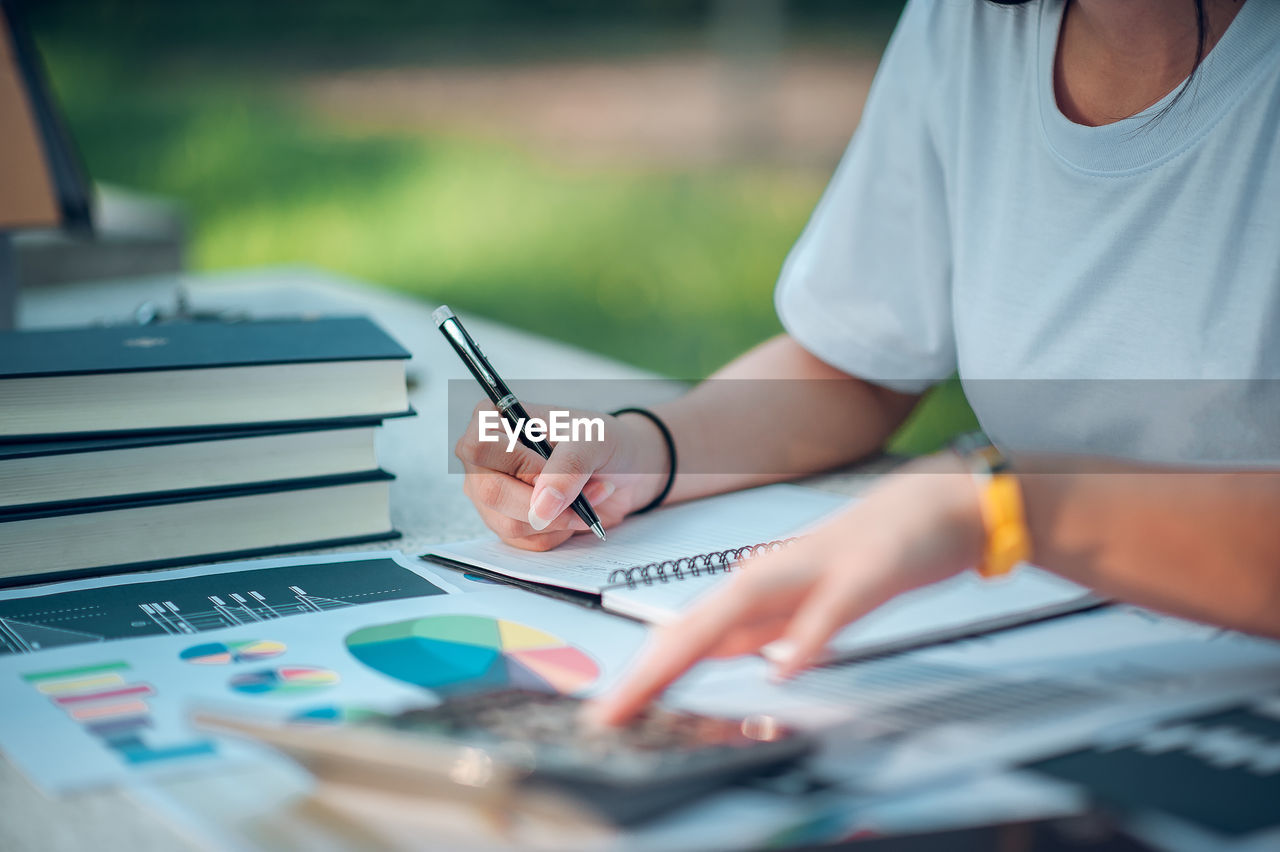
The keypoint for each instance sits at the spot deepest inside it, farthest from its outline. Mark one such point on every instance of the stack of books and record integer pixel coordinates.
(145, 446)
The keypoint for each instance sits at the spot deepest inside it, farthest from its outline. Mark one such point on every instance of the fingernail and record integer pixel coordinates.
(784, 661)
(600, 491)
(546, 505)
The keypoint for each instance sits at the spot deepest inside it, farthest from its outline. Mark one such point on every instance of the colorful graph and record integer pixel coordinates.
(447, 653)
(115, 710)
(284, 681)
(335, 714)
(222, 653)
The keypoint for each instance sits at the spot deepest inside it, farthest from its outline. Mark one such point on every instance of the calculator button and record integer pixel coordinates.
(531, 729)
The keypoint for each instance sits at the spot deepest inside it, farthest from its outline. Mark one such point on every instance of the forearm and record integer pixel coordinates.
(773, 414)
(1197, 544)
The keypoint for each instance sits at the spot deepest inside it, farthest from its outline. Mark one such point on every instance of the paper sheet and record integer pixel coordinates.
(718, 523)
(983, 703)
(962, 604)
(1229, 757)
(94, 714)
(206, 597)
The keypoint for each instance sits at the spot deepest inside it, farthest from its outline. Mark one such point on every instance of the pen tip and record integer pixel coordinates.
(598, 530)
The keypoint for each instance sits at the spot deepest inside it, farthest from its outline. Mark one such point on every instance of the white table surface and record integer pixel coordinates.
(427, 502)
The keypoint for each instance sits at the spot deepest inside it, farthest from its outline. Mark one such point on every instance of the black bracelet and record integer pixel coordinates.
(671, 455)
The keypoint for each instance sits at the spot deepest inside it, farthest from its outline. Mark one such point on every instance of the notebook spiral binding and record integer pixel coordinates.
(671, 570)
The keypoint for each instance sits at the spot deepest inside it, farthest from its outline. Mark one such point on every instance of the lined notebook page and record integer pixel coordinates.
(703, 526)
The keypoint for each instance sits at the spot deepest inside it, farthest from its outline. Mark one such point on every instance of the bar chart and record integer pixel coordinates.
(114, 708)
(194, 604)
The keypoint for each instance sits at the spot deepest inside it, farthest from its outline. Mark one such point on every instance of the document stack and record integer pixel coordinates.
(132, 447)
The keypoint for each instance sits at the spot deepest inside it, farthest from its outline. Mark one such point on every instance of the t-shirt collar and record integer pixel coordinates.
(1250, 46)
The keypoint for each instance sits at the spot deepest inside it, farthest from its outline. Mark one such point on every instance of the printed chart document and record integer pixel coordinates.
(90, 714)
(187, 601)
(654, 567)
(999, 699)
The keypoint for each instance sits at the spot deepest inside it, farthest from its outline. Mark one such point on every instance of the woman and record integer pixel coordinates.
(1039, 198)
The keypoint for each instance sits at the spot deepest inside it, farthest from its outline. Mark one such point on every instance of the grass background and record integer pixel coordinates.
(670, 268)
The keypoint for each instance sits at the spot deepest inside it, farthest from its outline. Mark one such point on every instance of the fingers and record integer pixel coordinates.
(509, 497)
(749, 638)
(503, 504)
(562, 478)
(540, 542)
(752, 609)
(800, 593)
(674, 650)
(841, 598)
(903, 536)
(520, 462)
(557, 482)
(853, 580)
(892, 550)
(520, 534)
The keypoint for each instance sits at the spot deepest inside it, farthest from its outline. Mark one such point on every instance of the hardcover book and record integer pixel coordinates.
(206, 375)
(50, 473)
(110, 537)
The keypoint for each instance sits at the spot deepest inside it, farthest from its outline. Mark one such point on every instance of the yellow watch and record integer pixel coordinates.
(1008, 542)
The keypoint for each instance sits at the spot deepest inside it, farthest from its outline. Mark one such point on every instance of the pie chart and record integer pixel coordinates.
(285, 680)
(456, 653)
(221, 653)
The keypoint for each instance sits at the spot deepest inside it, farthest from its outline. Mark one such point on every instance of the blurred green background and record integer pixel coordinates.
(593, 172)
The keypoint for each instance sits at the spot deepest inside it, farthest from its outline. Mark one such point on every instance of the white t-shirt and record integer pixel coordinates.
(1110, 290)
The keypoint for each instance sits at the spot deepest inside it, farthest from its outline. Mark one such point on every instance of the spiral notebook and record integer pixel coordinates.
(655, 566)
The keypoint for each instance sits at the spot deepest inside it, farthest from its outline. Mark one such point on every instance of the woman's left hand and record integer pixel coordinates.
(923, 524)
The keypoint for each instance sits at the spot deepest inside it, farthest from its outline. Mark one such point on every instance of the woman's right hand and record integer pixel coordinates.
(525, 499)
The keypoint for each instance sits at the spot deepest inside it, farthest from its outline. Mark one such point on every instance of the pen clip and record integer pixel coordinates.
(472, 355)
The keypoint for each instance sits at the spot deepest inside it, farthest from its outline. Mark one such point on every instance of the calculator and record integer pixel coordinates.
(486, 748)
(661, 760)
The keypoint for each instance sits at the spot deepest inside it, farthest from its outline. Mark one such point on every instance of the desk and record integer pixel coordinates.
(428, 505)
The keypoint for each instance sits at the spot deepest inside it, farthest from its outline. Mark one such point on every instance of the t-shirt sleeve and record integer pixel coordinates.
(867, 288)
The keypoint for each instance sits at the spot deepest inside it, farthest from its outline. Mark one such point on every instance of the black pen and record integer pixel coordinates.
(503, 399)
